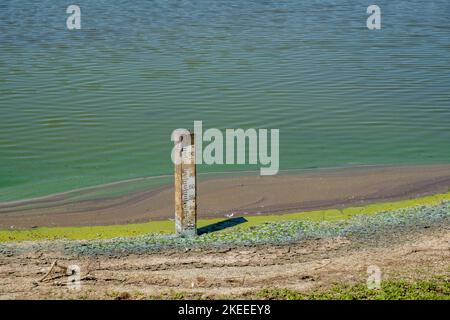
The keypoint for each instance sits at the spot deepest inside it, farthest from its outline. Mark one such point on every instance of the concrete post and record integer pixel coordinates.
(185, 186)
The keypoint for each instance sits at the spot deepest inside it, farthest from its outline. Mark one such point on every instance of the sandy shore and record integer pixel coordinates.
(240, 195)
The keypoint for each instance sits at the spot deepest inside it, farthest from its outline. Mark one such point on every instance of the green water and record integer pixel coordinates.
(97, 105)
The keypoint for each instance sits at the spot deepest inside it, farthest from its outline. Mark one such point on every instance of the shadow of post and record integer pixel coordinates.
(221, 225)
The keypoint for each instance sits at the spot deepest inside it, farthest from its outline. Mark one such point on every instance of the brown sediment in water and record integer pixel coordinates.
(239, 195)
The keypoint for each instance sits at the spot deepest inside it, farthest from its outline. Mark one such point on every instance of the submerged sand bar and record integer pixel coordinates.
(247, 194)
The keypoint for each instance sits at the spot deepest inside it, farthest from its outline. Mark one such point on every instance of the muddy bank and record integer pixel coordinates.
(233, 272)
(238, 195)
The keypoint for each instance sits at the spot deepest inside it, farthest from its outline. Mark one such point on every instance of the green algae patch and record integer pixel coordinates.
(93, 232)
(86, 233)
(167, 226)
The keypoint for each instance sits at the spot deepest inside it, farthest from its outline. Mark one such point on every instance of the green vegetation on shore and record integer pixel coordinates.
(437, 288)
(167, 226)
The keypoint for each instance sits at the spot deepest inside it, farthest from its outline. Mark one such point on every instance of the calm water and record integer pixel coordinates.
(82, 108)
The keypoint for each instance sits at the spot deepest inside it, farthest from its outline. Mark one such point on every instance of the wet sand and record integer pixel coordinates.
(237, 195)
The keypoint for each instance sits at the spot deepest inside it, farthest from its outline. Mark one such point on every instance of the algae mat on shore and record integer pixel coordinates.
(167, 226)
(362, 226)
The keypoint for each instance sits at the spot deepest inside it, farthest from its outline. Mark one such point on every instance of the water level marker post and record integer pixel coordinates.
(185, 185)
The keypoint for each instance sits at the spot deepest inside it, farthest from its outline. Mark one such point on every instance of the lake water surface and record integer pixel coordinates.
(87, 107)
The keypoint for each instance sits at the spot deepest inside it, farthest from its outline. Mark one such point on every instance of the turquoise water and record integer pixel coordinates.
(97, 105)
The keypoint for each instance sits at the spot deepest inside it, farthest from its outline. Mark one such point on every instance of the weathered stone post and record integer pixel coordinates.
(185, 186)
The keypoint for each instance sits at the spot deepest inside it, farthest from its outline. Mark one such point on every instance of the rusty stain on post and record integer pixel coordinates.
(186, 186)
